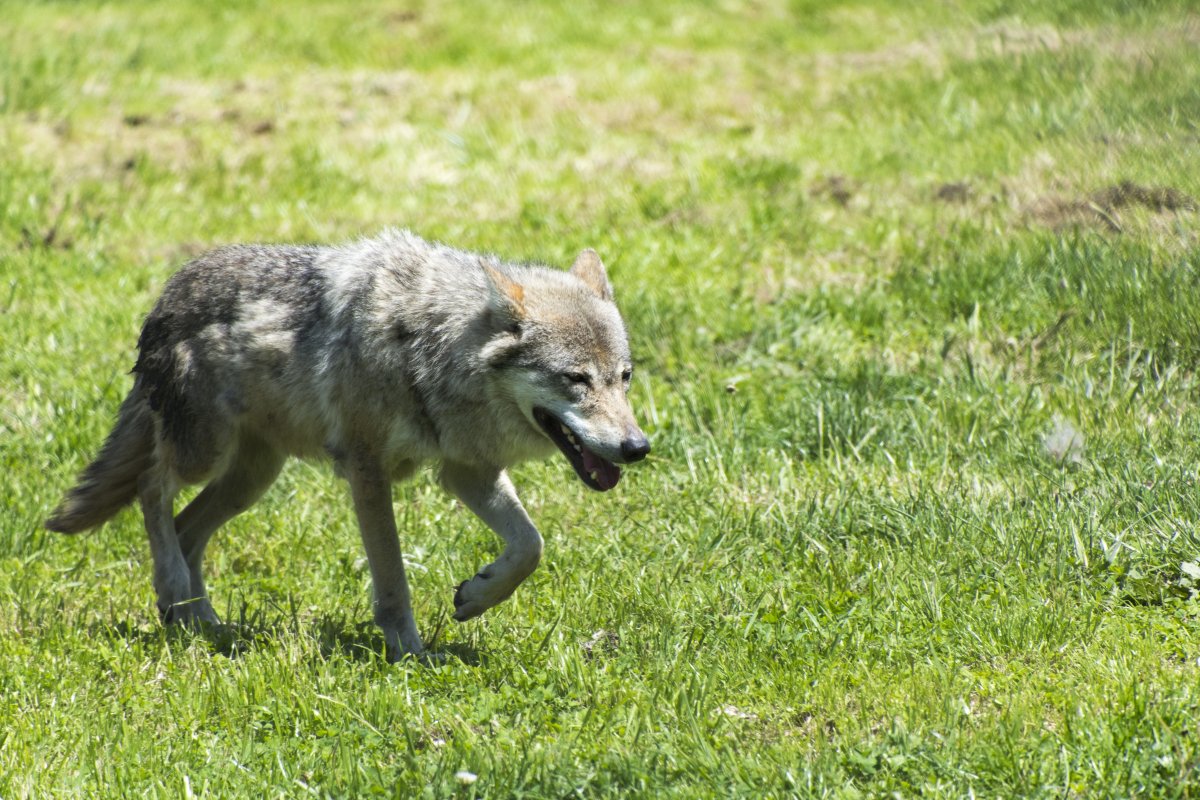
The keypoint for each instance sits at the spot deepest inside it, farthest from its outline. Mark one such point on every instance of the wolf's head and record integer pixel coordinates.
(561, 354)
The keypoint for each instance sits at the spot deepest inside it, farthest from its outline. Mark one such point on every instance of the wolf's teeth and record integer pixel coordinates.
(593, 475)
(571, 438)
(566, 431)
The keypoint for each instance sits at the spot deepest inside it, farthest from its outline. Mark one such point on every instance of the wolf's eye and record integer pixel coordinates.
(627, 375)
(579, 378)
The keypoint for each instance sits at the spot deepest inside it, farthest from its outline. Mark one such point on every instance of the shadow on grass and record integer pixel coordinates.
(361, 642)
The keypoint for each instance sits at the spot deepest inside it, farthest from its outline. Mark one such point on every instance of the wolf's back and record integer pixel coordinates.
(110, 482)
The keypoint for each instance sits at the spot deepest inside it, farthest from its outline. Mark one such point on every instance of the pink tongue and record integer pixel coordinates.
(607, 473)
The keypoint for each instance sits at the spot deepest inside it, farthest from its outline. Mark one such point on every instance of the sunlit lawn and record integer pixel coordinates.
(914, 291)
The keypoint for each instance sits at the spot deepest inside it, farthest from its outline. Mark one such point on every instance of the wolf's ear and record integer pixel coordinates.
(587, 268)
(507, 297)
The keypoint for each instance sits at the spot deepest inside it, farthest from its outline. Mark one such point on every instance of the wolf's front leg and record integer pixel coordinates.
(490, 494)
(371, 488)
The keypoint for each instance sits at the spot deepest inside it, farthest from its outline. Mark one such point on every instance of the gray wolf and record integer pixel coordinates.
(378, 355)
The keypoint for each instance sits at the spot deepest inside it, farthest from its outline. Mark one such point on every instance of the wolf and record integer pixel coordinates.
(378, 355)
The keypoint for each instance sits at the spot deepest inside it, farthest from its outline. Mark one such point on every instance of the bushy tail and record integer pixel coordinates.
(110, 482)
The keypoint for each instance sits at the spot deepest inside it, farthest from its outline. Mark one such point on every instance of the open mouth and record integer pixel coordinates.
(595, 471)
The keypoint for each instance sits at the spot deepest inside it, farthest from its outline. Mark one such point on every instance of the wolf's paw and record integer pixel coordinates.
(477, 595)
(403, 643)
(465, 609)
(425, 658)
(193, 614)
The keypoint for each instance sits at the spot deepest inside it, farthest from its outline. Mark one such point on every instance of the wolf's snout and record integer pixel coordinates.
(635, 447)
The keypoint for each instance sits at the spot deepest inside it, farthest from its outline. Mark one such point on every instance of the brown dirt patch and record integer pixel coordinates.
(837, 188)
(404, 17)
(1155, 198)
(956, 192)
(1100, 207)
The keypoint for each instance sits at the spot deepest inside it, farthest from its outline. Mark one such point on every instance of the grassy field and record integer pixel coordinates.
(914, 290)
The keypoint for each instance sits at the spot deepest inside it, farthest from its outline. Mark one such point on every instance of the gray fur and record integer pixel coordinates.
(381, 355)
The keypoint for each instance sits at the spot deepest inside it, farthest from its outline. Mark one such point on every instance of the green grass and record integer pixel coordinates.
(869, 265)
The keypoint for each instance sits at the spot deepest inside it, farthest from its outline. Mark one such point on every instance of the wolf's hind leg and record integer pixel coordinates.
(371, 488)
(491, 496)
(172, 583)
(254, 467)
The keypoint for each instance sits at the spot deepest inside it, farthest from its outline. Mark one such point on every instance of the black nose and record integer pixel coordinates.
(635, 447)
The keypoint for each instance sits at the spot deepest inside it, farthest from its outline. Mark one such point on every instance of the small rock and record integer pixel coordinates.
(1064, 443)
